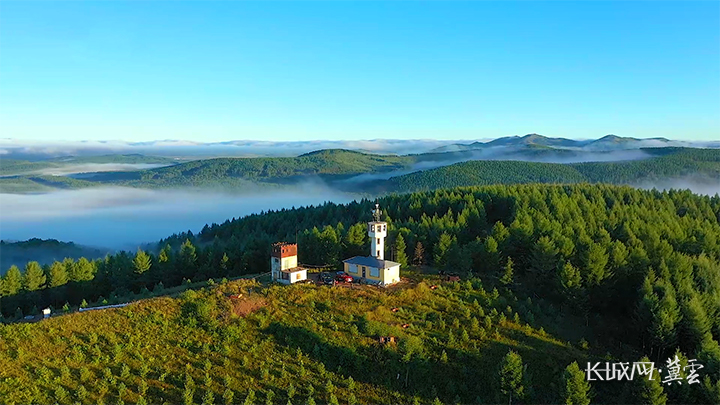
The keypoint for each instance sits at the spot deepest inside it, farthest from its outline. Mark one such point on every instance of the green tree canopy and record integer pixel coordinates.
(511, 376)
(576, 388)
(34, 277)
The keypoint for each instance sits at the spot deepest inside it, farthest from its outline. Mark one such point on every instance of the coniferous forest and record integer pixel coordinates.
(552, 277)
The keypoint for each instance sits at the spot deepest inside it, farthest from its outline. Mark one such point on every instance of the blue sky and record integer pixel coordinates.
(212, 71)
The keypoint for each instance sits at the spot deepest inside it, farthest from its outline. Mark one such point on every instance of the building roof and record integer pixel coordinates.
(293, 270)
(370, 261)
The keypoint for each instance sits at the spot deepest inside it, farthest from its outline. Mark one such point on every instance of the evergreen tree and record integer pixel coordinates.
(142, 262)
(400, 255)
(506, 276)
(649, 391)
(694, 321)
(34, 277)
(12, 282)
(355, 240)
(57, 275)
(491, 256)
(544, 261)
(188, 259)
(419, 255)
(83, 270)
(441, 249)
(577, 390)
(595, 264)
(570, 281)
(511, 376)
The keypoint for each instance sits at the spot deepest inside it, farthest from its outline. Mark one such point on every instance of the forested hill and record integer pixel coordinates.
(668, 163)
(554, 273)
(44, 251)
(343, 169)
(323, 162)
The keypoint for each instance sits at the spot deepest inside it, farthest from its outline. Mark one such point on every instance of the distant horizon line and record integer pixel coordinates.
(255, 140)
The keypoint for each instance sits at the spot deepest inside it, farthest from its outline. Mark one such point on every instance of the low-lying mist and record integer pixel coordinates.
(124, 218)
(696, 184)
(97, 167)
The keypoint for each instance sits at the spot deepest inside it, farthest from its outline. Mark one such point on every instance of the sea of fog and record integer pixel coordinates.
(123, 218)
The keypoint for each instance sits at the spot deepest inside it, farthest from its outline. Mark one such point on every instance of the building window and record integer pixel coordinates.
(384, 228)
(374, 272)
(378, 253)
(297, 276)
(284, 276)
(372, 228)
(378, 241)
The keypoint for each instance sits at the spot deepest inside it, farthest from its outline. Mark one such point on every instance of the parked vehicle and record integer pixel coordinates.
(327, 279)
(342, 277)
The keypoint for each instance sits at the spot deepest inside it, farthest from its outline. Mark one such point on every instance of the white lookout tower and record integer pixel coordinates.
(374, 268)
(377, 230)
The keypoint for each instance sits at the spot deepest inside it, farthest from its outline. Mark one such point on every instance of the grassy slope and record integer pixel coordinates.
(305, 335)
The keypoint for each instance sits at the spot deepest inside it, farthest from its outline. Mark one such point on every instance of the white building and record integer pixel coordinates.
(283, 264)
(374, 268)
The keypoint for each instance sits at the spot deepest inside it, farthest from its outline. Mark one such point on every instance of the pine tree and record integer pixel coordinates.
(34, 277)
(188, 259)
(694, 321)
(491, 256)
(400, 255)
(441, 249)
(506, 276)
(83, 270)
(649, 391)
(511, 376)
(355, 240)
(544, 261)
(12, 282)
(419, 255)
(577, 390)
(57, 275)
(595, 264)
(142, 262)
(570, 281)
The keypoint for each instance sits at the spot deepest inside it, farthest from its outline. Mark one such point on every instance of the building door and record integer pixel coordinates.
(363, 272)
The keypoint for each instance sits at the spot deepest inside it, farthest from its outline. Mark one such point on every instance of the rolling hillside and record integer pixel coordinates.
(669, 163)
(337, 166)
(553, 277)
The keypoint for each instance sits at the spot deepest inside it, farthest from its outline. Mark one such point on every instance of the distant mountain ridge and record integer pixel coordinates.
(606, 143)
(33, 150)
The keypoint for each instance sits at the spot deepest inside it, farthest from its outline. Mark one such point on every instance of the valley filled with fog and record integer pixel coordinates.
(124, 218)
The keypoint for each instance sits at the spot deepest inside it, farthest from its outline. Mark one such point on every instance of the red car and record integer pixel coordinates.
(342, 277)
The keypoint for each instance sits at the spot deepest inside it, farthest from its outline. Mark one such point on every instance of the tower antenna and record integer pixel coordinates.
(377, 212)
